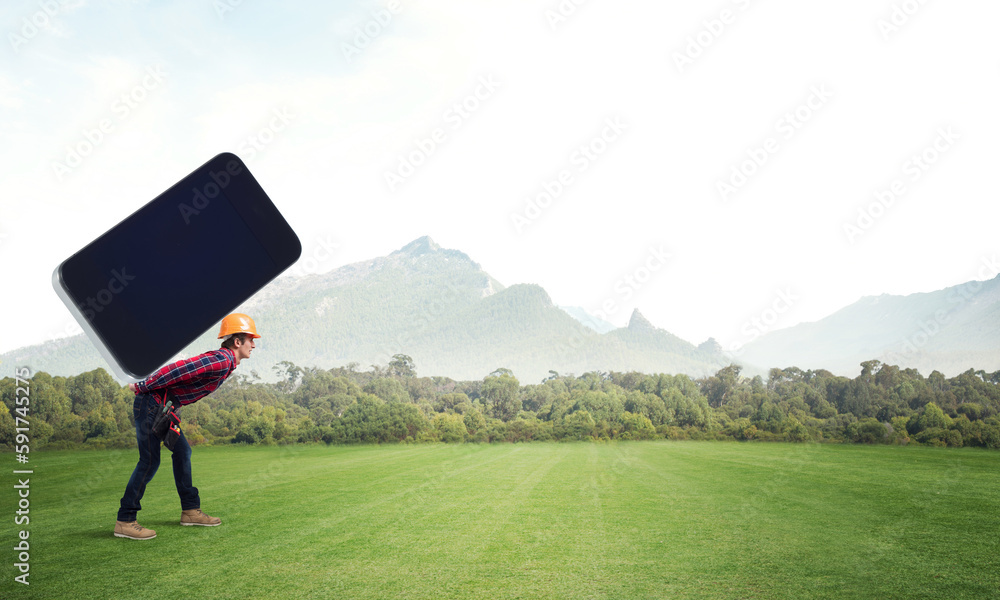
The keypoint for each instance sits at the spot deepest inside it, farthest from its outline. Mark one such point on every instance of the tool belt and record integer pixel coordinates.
(167, 422)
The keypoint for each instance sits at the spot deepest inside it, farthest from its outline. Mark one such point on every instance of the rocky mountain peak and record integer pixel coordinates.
(711, 346)
(637, 322)
(419, 247)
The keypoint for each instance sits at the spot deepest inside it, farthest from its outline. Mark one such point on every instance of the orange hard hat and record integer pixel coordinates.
(237, 323)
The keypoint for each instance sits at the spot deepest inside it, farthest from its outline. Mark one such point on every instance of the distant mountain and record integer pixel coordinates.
(596, 323)
(435, 305)
(950, 330)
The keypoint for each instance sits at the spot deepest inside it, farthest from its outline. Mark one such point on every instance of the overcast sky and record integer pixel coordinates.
(707, 162)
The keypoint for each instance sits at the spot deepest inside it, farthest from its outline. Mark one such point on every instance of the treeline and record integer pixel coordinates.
(391, 404)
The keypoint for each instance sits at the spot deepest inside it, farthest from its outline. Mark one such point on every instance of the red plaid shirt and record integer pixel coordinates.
(191, 379)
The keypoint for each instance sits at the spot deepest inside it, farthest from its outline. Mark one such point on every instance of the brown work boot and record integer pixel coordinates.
(133, 531)
(196, 517)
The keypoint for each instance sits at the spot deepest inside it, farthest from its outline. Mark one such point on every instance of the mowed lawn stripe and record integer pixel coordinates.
(357, 532)
(677, 523)
(578, 520)
(846, 521)
(429, 537)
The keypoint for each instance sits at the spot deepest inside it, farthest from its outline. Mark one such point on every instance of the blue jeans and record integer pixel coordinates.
(144, 409)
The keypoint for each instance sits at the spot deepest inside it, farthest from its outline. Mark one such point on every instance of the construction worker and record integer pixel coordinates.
(186, 381)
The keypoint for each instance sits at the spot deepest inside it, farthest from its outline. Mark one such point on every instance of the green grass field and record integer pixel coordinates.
(580, 520)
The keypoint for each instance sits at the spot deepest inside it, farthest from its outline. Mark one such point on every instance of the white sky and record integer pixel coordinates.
(878, 97)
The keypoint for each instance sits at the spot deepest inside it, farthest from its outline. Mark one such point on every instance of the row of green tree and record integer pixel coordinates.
(389, 404)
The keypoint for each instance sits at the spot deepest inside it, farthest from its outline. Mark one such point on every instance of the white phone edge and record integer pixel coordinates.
(74, 310)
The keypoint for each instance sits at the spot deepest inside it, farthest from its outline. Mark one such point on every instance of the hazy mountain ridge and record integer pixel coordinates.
(441, 308)
(595, 323)
(436, 305)
(949, 330)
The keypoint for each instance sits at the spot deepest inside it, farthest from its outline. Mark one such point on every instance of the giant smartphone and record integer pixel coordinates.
(153, 283)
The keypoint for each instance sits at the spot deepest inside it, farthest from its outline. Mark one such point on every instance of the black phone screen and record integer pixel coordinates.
(174, 268)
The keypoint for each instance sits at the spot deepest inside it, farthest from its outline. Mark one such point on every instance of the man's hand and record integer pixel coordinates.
(131, 386)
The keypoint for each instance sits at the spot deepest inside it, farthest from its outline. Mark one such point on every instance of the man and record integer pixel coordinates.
(186, 381)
